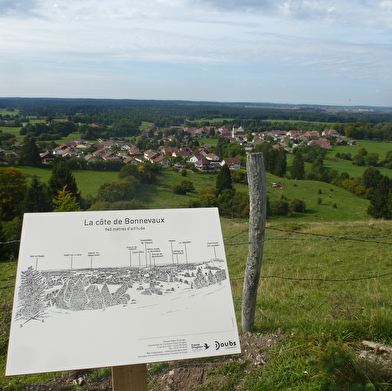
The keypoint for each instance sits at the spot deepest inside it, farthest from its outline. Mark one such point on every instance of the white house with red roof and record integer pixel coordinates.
(212, 157)
(196, 158)
(233, 163)
(130, 160)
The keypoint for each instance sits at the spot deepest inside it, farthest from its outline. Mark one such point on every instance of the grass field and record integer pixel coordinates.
(208, 142)
(145, 124)
(349, 207)
(345, 165)
(5, 112)
(337, 204)
(88, 181)
(371, 146)
(332, 162)
(13, 131)
(325, 285)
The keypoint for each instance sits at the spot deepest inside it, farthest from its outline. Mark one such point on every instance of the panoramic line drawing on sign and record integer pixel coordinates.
(148, 285)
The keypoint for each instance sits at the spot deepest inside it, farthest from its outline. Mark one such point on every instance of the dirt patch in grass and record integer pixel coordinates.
(182, 375)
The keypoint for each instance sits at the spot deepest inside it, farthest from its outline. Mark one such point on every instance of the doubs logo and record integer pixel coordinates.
(225, 345)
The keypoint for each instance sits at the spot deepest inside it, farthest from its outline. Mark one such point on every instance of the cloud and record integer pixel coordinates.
(287, 40)
(347, 12)
(160, 31)
(19, 7)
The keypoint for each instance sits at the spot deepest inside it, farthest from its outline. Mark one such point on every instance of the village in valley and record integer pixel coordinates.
(180, 146)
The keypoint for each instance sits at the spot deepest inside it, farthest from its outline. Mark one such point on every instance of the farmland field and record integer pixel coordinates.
(371, 146)
(88, 181)
(336, 204)
(5, 112)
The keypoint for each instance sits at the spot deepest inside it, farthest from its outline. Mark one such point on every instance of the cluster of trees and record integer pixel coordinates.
(226, 149)
(51, 130)
(381, 198)
(61, 194)
(18, 196)
(365, 158)
(122, 193)
(232, 203)
(275, 161)
(285, 208)
(127, 113)
(371, 184)
(185, 186)
(224, 196)
(380, 130)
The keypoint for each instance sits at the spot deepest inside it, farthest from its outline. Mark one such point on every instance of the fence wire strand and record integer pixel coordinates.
(320, 237)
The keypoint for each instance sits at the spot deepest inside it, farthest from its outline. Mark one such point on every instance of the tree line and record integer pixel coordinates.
(61, 194)
(165, 113)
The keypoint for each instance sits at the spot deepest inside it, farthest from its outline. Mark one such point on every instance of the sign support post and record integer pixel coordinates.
(129, 377)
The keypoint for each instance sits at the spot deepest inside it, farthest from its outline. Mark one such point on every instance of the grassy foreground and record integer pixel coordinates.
(325, 285)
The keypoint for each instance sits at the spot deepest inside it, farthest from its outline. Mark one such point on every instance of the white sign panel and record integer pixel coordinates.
(109, 288)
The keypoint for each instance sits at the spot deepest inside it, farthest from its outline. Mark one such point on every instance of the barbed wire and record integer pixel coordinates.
(324, 237)
(238, 234)
(348, 237)
(331, 237)
(320, 279)
(320, 237)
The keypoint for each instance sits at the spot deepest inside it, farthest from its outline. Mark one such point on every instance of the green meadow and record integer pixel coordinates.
(13, 131)
(324, 287)
(336, 204)
(371, 146)
(342, 165)
(88, 181)
(9, 112)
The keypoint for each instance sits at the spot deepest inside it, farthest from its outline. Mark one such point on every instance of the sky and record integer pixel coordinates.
(327, 52)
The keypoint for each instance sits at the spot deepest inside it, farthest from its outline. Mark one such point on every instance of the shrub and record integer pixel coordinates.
(238, 176)
(280, 208)
(178, 189)
(183, 187)
(298, 205)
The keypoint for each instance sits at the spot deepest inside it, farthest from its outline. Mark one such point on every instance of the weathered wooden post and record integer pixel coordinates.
(129, 378)
(257, 218)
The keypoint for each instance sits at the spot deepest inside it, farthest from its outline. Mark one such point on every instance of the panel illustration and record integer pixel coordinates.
(120, 287)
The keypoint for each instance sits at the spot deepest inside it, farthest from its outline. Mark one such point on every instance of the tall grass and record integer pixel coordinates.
(316, 283)
(324, 285)
(327, 295)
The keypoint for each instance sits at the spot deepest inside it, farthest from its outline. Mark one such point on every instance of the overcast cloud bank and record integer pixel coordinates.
(293, 51)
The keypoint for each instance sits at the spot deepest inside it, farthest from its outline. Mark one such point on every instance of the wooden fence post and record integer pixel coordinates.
(257, 217)
(129, 378)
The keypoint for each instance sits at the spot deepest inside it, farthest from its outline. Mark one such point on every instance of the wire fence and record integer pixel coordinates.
(313, 237)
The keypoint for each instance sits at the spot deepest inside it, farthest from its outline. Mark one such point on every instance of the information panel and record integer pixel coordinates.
(110, 288)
